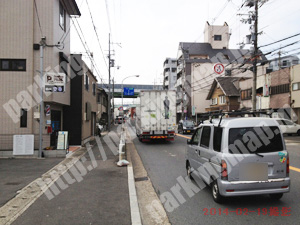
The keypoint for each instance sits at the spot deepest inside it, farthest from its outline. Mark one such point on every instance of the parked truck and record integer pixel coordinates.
(156, 115)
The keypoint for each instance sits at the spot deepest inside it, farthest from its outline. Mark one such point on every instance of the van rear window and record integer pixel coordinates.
(254, 140)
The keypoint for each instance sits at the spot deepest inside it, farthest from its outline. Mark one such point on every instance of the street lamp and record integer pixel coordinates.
(122, 95)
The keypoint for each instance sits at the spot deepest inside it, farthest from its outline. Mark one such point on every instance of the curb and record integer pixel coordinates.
(150, 207)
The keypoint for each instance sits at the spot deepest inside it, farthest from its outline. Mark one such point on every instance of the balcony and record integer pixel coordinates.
(179, 82)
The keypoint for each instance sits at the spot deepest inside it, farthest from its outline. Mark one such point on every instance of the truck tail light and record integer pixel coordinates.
(224, 173)
(288, 166)
(171, 132)
(146, 133)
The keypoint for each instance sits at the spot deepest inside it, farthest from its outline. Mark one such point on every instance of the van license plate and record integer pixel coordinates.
(254, 172)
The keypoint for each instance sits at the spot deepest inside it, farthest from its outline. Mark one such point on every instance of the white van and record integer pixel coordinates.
(240, 156)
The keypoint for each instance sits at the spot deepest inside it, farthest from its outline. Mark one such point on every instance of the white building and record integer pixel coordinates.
(170, 75)
(283, 62)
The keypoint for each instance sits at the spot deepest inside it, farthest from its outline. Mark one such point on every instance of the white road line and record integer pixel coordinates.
(134, 207)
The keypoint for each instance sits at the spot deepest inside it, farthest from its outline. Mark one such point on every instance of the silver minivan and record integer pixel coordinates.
(239, 156)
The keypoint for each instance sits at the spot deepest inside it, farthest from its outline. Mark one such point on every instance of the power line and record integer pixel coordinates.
(280, 40)
(104, 59)
(84, 43)
(239, 67)
(37, 13)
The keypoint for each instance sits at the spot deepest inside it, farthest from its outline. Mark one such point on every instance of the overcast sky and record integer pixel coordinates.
(150, 30)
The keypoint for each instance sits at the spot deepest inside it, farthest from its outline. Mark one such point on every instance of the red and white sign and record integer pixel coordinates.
(219, 68)
(120, 108)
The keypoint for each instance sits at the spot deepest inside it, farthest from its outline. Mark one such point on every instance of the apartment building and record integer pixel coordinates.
(283, 62)
(198, 64)
(23, 25)
(170, 75)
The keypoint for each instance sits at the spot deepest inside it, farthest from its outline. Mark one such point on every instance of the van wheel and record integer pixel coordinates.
(276, 196)
(298, 132)
(189, 171)
(215, 192)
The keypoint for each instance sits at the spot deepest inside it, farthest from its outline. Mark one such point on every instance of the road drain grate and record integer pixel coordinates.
(140, 179)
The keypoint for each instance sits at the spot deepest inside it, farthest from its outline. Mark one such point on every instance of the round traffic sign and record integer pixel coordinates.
(219, 68)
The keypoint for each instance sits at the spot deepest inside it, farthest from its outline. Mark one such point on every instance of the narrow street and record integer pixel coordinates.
(165, 162)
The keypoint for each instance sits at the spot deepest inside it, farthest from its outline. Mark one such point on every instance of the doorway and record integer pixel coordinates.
(56, 126)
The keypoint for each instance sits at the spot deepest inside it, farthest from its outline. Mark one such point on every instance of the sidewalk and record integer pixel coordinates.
(96, 194)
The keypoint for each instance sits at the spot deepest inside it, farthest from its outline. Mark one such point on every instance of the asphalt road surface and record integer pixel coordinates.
(165, 163)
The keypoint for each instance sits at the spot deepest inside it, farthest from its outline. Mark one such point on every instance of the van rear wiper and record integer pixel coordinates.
(258, 154)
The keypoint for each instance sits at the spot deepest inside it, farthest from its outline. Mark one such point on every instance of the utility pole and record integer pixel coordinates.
(109, 96)
(42, 45)
(255, 55)
(113, 99)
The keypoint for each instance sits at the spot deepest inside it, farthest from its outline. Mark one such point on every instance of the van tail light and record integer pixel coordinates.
(224, 173)
(288, 166)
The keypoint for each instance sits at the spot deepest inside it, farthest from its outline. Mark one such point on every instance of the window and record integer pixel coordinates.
(196, 137)
(284, 63)
(288, 123)
(251, 140)
(217, 138)
(173, 70)
(4, 64)
(13, 64)
(214, 101)
(246, 94)
(99, 98)
(62, 16)
(281, 122)
(86, 82)
(23, 119)
(296, 86)
(218, 37)
(295, 61)
(205, 137)
(280, 89)
(88, 110)
(94, 88)
(222, 99)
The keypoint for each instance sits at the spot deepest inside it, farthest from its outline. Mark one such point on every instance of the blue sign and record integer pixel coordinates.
(128, 91)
